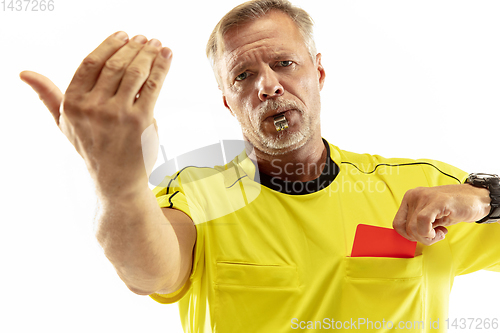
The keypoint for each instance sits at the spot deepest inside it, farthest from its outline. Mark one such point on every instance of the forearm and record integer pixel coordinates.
(107, 121)
(138, 240)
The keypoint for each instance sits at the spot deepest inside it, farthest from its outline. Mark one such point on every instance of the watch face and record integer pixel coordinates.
(484, 180)
(484, 175)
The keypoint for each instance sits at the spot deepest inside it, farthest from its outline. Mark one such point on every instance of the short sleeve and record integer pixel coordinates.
(440, 173)
(494, 268)
(475, 247)
(170, 194)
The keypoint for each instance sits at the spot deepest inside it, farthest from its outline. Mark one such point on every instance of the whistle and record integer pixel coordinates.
(281, 123)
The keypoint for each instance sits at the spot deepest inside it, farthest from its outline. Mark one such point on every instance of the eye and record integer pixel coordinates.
(242, 76)
(285, 63)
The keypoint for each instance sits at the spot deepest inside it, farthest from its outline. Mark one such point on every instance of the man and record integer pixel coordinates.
(274, 256)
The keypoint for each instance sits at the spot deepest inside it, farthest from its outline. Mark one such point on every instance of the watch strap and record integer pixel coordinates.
(492, 217)
(493, 185)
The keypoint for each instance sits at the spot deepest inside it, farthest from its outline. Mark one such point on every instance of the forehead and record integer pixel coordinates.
(269, 36)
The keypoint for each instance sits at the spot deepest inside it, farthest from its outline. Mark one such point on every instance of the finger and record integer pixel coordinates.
(423, 227)
(156, 125)
(426, 228)
(440, 233)
(151, 88)
(442, 221)
(139, 72)
(47, 91)
(410, 223)
(114, 68)
(400, 220)
(86, 75)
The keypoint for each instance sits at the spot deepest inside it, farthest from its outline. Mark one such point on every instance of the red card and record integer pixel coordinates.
(372, 241)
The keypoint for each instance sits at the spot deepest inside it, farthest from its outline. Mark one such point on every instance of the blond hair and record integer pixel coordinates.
(252, 10)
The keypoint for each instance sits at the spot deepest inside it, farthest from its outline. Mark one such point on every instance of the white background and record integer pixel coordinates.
(404, 79)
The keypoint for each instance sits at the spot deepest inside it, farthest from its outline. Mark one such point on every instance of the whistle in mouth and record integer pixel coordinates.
(281, 123)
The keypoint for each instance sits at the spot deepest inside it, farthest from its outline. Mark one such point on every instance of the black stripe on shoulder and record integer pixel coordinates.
(404, 164)
(179, 172)
(237, 180)
(170, 199)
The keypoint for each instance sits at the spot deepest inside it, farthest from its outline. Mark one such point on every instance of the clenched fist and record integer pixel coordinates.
(107, 110)
(425, 212)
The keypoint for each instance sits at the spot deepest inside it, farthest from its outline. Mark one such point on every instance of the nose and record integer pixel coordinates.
(269, 85)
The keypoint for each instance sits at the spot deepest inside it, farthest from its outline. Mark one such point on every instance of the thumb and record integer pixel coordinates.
(48, 92)
(156, 125)
(400, 221)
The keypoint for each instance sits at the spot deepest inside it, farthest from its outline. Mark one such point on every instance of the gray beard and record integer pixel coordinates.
(275, 145)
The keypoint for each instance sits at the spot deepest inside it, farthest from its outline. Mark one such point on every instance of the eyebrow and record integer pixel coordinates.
(241, 66)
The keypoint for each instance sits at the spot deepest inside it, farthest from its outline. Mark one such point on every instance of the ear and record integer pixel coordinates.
(321, 71)
(227, 105)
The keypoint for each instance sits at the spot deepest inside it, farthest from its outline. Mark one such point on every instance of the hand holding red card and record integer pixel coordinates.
(372, 241)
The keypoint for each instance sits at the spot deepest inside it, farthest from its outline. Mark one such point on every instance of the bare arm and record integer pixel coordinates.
(151, 248)
(104, 120)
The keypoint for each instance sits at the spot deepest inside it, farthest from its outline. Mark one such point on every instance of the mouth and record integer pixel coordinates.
(279, 112)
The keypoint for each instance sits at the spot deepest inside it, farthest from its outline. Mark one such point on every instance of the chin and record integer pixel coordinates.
(282, 143)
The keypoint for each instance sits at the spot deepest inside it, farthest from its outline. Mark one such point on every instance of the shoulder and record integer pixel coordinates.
(436, 172)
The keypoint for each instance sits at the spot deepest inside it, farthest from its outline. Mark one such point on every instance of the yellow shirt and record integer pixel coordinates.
(265, 261)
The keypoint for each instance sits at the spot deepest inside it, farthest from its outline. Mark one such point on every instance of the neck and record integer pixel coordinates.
(303, 164)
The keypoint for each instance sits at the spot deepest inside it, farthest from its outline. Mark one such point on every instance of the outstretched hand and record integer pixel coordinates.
(108, 106)
(425, 212)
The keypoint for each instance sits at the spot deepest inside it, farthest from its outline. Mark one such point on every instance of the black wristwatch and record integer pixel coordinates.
(492, 183)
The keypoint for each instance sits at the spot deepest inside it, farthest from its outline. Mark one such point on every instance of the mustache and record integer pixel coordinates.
(277, 104)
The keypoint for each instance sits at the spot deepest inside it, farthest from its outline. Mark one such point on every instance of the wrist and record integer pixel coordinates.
(122, 191)
(121, 176)
(490, 183)
(483, 195)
